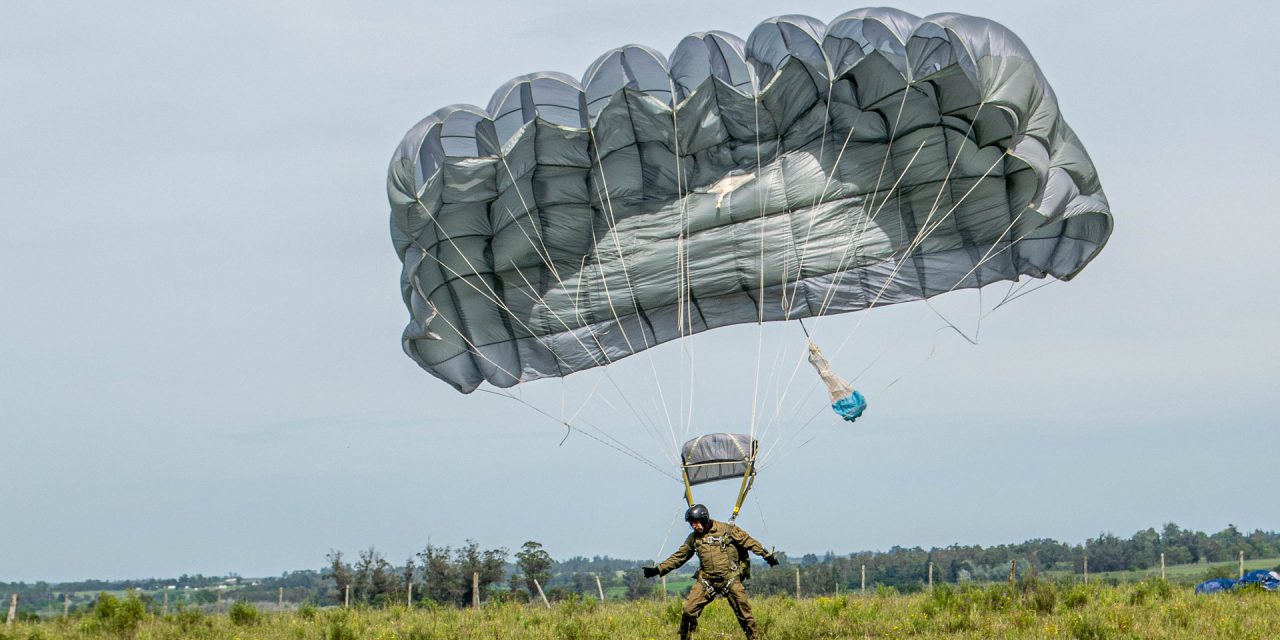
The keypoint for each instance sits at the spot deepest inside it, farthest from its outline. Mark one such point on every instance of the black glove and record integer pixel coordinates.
(771, 560)
(650, 572)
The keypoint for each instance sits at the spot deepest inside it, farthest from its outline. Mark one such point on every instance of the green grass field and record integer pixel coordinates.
(1033, 609)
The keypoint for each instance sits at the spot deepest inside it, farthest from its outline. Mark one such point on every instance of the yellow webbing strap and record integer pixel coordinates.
(688, 490)
(748, 479)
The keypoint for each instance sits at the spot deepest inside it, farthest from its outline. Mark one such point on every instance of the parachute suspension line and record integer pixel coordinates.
(977, 265)
(926, 229)
(493, 297)
(920, 238)
(922, 235)
(884, 162)
(546, 260)
(840, 267)
(644, 420)
(759, 509)
(544, 254)
(755, 387)
(942, 188)
(1021, 293)
(828, 297)
(607, 200)
(826, 120)
(667, 536)
(820, 197)
(1008, 297)
(1015, 291)
(537, 228)
(819, 201)
(686, 349)
(620, 448)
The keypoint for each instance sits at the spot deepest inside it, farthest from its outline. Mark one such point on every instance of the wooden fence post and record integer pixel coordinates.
(1162, 565)
(664, 585)
(797, 583)
(1013, 570)
(1242, 564)
(540, 593)
(280, 599)
(1086, 569)
(346, 599)
(409, 599)
(475, 590)
(165, 609)
(66, 605)
(864, 579)
(13, 609)
(600, 588)
(931, 576)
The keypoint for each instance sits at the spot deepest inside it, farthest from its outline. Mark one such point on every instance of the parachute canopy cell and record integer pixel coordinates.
(718, 456)
(813, 168)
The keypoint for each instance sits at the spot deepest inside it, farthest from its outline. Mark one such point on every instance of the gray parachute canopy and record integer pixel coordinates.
(812, 169)
(718, 456)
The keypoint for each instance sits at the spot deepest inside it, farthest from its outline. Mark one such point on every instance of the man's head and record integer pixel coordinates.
(699, 518)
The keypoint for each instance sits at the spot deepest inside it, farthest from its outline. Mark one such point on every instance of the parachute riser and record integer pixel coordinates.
(748, 479)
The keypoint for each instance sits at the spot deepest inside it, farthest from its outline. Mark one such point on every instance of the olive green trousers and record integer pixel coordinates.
(701, 595)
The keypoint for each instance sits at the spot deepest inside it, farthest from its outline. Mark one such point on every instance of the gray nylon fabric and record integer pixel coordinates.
(717, 456)
(811, 169)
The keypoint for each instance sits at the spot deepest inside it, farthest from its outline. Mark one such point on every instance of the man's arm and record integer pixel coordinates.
(744, 540)
(678, 558)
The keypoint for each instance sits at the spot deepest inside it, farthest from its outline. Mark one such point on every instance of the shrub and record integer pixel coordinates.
(189, 619)
(1077, 597)
(1087, 628)
(1039, 596)
(1148, 589)
(120, 616)
(243, 614)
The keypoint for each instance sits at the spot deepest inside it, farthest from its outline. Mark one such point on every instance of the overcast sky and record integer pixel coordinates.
(200, 366)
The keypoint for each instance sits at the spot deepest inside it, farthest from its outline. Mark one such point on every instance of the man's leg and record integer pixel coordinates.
(737, 598)
(699, 597)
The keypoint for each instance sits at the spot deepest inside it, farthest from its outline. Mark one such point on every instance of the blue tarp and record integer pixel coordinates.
(1217, 585)
(1270, 580)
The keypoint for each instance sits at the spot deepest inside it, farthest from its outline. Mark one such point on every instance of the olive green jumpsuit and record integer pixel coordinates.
(719, 549)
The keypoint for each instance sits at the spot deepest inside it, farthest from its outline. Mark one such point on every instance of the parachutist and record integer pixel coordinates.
(722, 554)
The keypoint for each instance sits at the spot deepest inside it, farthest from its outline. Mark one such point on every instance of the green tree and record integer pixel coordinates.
(490, 565)
(534, 563)
(338, 571)
(441, 579)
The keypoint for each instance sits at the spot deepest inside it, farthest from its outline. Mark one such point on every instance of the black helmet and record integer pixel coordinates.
(698, 513)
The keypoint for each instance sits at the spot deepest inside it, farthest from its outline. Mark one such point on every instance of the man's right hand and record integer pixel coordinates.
(650, 572)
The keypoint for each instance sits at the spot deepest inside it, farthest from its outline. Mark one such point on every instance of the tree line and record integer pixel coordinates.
(443, 575)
